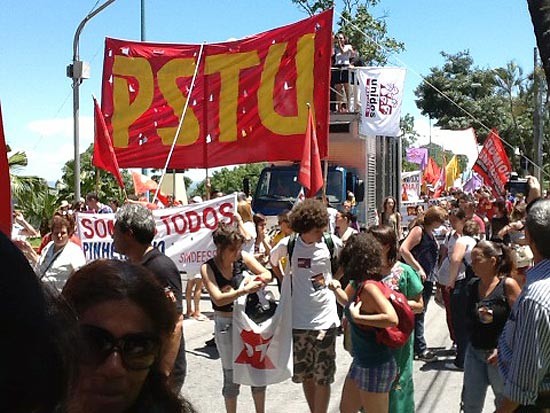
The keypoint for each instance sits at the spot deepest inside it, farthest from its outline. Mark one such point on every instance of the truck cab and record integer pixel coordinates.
(278, 188)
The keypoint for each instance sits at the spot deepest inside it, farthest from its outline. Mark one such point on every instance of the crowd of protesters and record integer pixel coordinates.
(473, 251)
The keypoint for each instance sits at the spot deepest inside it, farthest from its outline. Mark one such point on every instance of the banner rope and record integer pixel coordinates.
(182, 117)
(409, 68)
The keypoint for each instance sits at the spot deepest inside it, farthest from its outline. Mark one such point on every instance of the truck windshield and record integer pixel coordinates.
(282, 184)
(278, 184)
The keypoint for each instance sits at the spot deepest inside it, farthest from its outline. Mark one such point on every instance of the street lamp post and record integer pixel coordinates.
(78, 71)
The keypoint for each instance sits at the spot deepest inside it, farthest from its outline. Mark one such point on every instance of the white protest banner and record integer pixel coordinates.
(381, 96)
(182, 233)
(262, 353)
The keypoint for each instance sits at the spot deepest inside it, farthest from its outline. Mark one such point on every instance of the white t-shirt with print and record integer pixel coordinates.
(313, 303)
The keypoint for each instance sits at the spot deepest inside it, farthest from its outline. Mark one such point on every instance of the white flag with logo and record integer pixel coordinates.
(381, 98)
(262, 353)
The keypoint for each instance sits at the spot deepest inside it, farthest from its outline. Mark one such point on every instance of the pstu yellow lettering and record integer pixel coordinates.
(126, 112)
(167, 75)
(305, 55)
(229, 66)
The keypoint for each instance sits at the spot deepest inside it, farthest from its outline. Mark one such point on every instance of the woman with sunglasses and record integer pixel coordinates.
(491, 296)
(219, 275)
(124, 318)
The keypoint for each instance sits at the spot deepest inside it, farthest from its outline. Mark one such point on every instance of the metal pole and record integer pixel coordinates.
(142, 23)
(76, 75)
(538, 122)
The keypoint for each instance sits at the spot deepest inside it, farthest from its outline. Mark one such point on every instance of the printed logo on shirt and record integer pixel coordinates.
(304, 263)
(318, 282)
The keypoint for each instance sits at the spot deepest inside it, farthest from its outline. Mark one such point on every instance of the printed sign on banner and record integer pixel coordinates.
(247, 103)
(184, 233)
(381, 97)
(493, 164)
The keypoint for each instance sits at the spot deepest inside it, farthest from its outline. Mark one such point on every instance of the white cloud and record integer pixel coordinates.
(50, 144)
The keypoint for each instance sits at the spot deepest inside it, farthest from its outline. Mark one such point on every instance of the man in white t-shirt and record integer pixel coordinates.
(314, 316)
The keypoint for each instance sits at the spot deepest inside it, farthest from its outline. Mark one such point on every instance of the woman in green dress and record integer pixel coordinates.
(400, 277)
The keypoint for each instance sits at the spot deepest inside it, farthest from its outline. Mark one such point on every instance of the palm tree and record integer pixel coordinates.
(31, 193)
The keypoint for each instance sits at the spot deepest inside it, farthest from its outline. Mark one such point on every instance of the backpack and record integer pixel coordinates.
(327, 239)
(260, 305)
(393, 337)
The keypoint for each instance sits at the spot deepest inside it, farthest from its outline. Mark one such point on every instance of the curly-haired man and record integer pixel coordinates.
(314, 316)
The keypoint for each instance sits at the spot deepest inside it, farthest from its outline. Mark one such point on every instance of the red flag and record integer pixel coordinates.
(5, 184)
(442, 181)
(493, 164)
(142, 183)
(431, 173)
(310, 175)
(104, 154)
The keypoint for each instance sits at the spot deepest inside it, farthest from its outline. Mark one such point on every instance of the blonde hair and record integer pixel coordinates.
(245, 211)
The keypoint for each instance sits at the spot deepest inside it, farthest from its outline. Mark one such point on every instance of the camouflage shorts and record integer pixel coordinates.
(314, 355)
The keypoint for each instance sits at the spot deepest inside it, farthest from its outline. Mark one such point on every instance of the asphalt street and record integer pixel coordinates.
(437, 386)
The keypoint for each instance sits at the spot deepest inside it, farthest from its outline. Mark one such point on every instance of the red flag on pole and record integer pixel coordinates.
(5, 184)
(493, 164)
(442, 181)
(431, 172)
(310, 175)
(104, 154)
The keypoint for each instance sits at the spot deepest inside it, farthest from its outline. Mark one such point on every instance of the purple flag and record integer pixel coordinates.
(472, 184)
(418, 155)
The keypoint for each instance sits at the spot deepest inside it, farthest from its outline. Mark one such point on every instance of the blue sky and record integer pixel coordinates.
(36, 46)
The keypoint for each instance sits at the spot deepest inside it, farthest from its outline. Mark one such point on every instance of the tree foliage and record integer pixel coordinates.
(459, 95)
(92, 180)
(30, 193)
(228, 181)
(367, 34)
(540, 16)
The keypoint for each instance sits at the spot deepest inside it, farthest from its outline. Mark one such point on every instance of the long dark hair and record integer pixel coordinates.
(506, 264)
(386, 236)
(106, 280)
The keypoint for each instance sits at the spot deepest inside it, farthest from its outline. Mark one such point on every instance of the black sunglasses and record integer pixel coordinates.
(138, 351)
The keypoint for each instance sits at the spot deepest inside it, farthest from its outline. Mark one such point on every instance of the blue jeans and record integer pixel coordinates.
(478, 375)
(419, 340)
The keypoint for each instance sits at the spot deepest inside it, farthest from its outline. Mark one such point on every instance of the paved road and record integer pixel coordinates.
(437, 388)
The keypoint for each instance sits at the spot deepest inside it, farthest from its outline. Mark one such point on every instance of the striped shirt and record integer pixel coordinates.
(524, 345)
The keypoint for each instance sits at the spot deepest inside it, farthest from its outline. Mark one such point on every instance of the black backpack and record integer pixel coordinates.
(254, 309)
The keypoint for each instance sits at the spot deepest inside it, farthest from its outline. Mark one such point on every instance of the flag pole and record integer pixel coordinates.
(182, 117)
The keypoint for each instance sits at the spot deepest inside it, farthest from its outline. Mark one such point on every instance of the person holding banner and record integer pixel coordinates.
(217, 274)
(61, 257)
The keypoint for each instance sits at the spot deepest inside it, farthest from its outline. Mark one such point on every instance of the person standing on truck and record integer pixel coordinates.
(314, 317)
